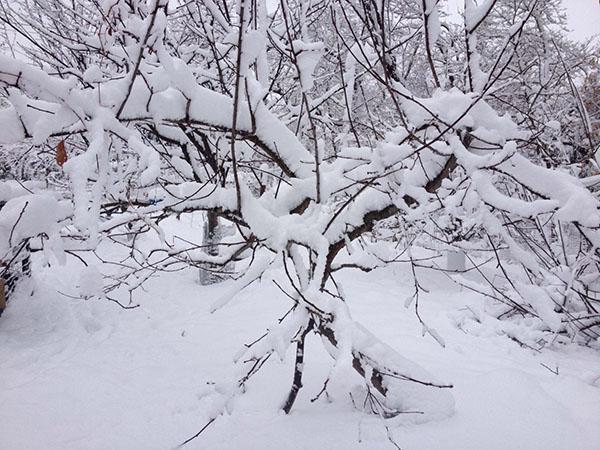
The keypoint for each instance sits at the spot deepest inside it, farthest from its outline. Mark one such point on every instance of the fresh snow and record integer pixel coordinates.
(133, 353)
(87, 374)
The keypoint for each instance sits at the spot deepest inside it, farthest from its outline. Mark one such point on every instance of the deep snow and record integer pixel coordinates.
(78, 374)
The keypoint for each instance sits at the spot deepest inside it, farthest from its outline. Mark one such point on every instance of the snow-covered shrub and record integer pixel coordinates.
(304, 125)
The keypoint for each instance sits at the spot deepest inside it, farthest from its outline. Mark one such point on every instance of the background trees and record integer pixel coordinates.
(312, 128)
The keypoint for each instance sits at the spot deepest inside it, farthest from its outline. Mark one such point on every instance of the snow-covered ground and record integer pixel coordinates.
(89, 375)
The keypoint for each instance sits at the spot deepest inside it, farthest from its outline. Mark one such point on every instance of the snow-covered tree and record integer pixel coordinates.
(305, 125)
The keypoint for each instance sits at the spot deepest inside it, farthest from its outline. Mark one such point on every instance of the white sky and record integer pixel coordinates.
(584, 17)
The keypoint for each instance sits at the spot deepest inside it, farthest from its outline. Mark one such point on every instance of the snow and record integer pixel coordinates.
(467, 110)
(81, 371)
(474, 13)
(91, 282)
(12, 129)
(92, 75)
(432, 17)
(11, 189)
(88, 374)
(28, 216)
(576, 204)
(308, 55)
(542, 304)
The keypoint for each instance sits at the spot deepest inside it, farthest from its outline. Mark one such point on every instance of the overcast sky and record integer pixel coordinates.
(584, 17)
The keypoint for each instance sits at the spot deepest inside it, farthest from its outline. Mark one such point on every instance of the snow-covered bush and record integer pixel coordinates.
(304, 125)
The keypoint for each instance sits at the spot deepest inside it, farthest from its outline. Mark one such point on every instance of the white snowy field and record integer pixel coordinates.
(80, 374)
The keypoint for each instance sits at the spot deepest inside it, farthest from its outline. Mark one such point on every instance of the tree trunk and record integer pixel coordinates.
(211, 236)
